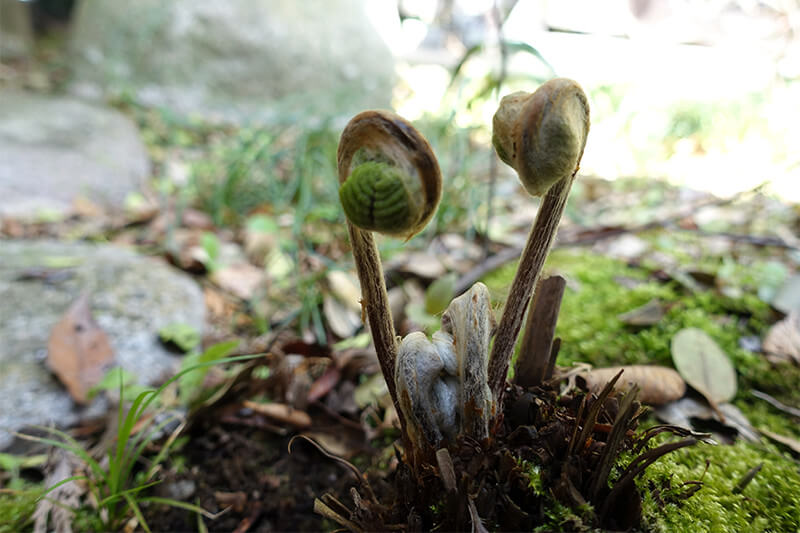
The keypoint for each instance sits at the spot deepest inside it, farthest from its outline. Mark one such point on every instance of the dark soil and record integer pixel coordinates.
(251, 471)
(574, 439)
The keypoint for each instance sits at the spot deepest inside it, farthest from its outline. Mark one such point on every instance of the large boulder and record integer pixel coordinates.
(131, 297)
(239, 60)
(56, 148)
(16, 31)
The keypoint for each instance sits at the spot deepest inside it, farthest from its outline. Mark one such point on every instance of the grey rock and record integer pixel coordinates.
(16, 30)
(237, 60)
(132, 297)
(181, 489)
(53, 149)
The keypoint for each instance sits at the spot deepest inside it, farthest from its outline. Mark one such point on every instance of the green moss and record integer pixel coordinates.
(557, 516)
(770, 502)
(599, 289)
(16, 509)
(763, 416)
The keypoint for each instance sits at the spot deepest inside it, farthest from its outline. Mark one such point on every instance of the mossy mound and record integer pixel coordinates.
(599, 289)
(770, 502)
(17, 507)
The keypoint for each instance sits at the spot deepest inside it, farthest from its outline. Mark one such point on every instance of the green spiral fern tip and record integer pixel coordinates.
(375, 198)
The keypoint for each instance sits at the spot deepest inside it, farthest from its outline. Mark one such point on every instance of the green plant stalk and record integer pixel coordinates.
(530, 267)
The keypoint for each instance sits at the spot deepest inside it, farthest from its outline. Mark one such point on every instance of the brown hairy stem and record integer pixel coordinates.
(384, 137)
(531, 262)
(375, 304)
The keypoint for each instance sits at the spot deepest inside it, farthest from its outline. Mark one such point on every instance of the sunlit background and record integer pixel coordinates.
(702, 94)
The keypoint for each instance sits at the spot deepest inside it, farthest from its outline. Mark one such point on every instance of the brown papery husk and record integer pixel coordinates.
(538, 429)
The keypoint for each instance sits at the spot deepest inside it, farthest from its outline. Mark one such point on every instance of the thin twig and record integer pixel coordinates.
(775, 403)
(362, 480)
(761, 241)
(491, 263)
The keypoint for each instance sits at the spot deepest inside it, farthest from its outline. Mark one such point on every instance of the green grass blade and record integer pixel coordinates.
(469, 53)
(164, 451)
(182, 505)
(136, 511)
(132, 457)
(177, 376)
(121, 463)
(71, 445)
(121, 494)
(64, 481)
(117, 462)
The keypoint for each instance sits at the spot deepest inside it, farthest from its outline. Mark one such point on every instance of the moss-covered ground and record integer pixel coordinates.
(599, 289)
(17, 507)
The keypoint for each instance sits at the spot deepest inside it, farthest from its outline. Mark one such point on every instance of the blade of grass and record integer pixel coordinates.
(71, 446)
(184, 505)
(120, 465)
(140, 404)
(133, 457)
(162, 454)
(135, 490)
(136, 511)
(64, 481)
(118, 461)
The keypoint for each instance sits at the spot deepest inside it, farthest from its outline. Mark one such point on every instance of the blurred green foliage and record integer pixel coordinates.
(17, 506)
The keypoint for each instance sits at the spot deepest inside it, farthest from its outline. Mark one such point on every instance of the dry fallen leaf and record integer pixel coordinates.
(648, 314)
(420, 264)
(787, 297)
(195, 219)
(687, 411)
(280, 412)
(456, 253)
(240, 279)
(84, 207)
(218, 303)
(343, 321)
(626, 246)
(184, 250)
(324, 384)
(237, 500)
(79, 352)
(345, 289)
(336, 444)
(782, 343)
(658, 384)
(704, 365)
